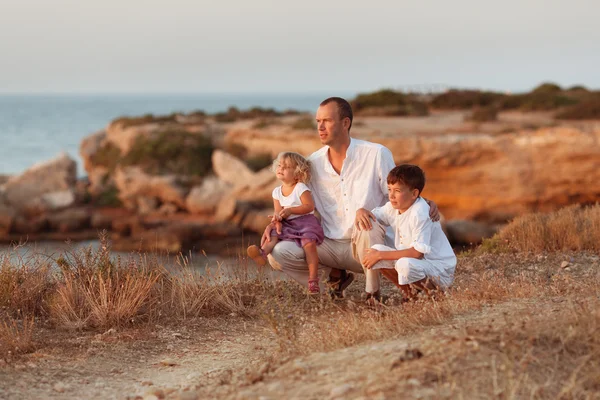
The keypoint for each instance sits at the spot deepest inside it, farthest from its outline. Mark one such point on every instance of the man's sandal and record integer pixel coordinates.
(337, 287)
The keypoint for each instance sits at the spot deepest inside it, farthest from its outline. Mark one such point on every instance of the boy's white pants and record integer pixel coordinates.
(410, 270)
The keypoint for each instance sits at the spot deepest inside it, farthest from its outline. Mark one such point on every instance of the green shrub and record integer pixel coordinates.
(540, 101)
(388, 103)
(547, 87)
(108, 155)
(304, 123)
(483, 114)
(586, 109)
(262, 123)
(465, 99)
(108, 198)
(259, 161)
(127, 122)
(172, 152)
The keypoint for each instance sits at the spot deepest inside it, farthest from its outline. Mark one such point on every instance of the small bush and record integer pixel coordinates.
(571, 228)
(388, 103)
(109, 197)
(540, 101)
(465, 99)
(127, 122)
(172, 152)
(264, 123)
(304, 123)
(107, 156)
(259, 161)
(483, 114)
(547, 87)
(587, 109)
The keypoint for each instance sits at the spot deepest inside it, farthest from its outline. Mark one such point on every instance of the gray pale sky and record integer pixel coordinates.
(295, 46)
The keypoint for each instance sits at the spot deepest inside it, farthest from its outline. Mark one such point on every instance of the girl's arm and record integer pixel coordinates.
(372, 256)
(308, 205)
(276, 210)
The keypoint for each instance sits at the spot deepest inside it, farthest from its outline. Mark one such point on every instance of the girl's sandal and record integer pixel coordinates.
(313, 286)
(256, 253)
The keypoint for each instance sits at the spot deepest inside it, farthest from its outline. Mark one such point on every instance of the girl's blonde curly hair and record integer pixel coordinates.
(301, 165)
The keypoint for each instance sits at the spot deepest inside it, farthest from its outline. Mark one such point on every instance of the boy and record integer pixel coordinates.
(423, 257)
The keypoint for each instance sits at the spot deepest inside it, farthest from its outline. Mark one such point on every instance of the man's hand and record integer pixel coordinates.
(434, 213)
(284, 213)
(371, 258)
(266, 237)
(363, 220)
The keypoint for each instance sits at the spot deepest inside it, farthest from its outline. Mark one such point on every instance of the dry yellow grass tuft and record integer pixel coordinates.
(571, 228)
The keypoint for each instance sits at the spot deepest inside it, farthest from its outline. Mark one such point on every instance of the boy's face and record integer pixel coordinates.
(401, 197)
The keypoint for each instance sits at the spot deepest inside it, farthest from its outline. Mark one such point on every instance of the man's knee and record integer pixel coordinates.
(286, 251)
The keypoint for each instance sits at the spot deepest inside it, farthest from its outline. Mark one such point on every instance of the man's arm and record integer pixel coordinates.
(434, 212)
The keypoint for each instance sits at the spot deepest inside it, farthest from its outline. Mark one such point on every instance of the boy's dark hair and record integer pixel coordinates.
(344, 108)
(409, 175)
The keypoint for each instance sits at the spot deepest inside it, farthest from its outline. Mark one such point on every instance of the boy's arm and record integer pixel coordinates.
(373, 256)
(308, 205)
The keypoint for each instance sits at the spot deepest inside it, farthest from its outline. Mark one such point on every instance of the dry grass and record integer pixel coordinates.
(16, 336)
(571, 228)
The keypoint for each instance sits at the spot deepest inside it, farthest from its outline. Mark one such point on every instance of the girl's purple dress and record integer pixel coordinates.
(302, 230)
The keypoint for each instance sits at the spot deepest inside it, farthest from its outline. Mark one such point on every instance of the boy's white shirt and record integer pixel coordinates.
(294, 198)
(414, 228)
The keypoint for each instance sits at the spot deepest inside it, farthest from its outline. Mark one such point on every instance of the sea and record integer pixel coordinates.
(38, 127)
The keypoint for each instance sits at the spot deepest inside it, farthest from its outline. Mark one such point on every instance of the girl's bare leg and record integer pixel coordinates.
(312, 259)
(269, 246)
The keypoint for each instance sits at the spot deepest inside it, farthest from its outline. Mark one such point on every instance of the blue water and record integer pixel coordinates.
(36, 128)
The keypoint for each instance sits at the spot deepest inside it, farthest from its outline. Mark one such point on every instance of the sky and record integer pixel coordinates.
(148, 46)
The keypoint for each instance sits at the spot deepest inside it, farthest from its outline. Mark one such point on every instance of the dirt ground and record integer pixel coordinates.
(238, 357)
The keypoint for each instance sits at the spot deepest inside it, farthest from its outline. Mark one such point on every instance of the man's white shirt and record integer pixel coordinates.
(362, 183)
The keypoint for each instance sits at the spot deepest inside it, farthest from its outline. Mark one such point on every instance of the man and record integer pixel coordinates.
(347, 175)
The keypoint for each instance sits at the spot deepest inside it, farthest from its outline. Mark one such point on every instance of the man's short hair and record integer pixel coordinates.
(409, 175)
(344, 108)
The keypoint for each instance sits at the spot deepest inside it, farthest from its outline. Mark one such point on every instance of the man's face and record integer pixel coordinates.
(331, 128)
(401, 197)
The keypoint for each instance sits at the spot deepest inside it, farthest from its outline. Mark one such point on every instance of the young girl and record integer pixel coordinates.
(294, 207)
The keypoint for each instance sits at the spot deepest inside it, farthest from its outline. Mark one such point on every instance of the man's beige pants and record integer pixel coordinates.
(341, 254)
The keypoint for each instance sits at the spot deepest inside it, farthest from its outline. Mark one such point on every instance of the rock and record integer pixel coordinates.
(146, 205)
(70, 220)
(565, 264)
(473, 175)
(468, 232)
(257, 220)
(60, 387)
(205, 198)
(30, 225)
(90, 146)
(56, 175)
(226, 209)
(123, 137)
(7, 218)
(156, 392)
(59, 200)
(101, 220)
(340, 391)
(230, 169)
(189, 395)
(133, 182)
(167, 209)
(168, 362)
